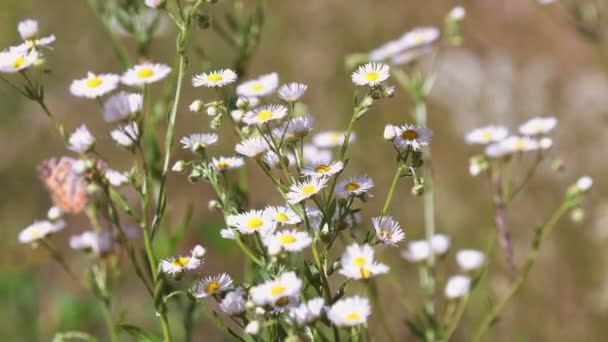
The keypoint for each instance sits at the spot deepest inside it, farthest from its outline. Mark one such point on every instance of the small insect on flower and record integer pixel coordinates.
(262, 86)
(354, 186)
(280, 292)
(469, 259)
(127, 135)
(197, 142)
(234, 302)
(174, 266)
(81, 140)
(253, 147)
(331, 139)
(218, 78)
(94, 86)
(288, 240)
(122, 107)
(388, 230)
(371, 74)
(146, 73)
(222, 164)
(292, 92)
(322, 167)
(265, 114)
(486, 135)
(282, 215)
(40, 230)
(251, 221)
(305, 189)
(67, 187)
(13, 61)
(350, 311)
(309, 312)
(358, 263)
(412, 136)
(537, 126)
(92, 242)
(212, 285)
(457, 286)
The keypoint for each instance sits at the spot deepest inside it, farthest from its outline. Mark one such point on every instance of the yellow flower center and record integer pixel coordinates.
(385, 234)
(145, 72)
(222, 165)
(309, 189)
(372, 76)
(409, 134)
(352, 186)
(353, 316)
(180, 262)
(287, 239)
(419, 38)
(94, 82)
(257, 87)
(322, 168)
(365, 273)
(277, 290)
(215, 77)
(265, 114)
(359, 261)
(486, 135)
(281, 217)
(254, 223)
(335, 138)
(212, 287)
(520, 144)
(36, 233)
(19, 61)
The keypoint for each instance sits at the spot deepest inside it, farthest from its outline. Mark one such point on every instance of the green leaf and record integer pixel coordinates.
(140, 334)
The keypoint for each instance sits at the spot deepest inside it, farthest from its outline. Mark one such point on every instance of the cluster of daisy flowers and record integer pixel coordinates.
(18, 58)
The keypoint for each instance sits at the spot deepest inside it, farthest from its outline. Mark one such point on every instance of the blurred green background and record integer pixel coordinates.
(518, 60)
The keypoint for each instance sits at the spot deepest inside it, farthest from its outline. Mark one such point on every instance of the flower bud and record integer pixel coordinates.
(250, 305)
(545, 143)
(584, 183)
(577, 215)
(259, 311)
(214, 205)
(195, 175)
(389, 132)
(211, 111)
(237, 115)
(242, 103)
(253, 328)
(179, 166)
(156, 3)
(199, 252)
(54, 214)
(367, 101)
(80, 167)
(418, 190)
(197, 106)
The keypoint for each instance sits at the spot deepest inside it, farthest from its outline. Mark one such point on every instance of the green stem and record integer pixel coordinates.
(107, 316)
(541, 234)
(373, 292)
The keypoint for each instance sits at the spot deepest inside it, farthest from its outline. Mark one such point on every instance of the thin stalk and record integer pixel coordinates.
(378, 307)
(107, 317)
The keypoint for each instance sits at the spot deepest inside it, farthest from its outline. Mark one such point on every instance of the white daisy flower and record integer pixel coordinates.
(349, 311)
(177, 265)
(417, 251)
(91, 241)
(358, 263)
(412, 136)
(420, 37)
(411, 55)
(311, 152)
(155, 3)
(322, 168)
(470, 259)
(212, 285)
(584, 183)
(457, 13)
(309, 312)
(251, 221)
(278, 292)
(271, 159)
(292, 92)
(387, 50)
(331, 139)
(94, 86)
(122, 106)
(39, 230)
(127, 135)
(354, 186)
(282, 215)
(457, 286)
(495, 150)
(264, 85)
(253, 147)
(371, 74)
(198, 141)
(305, 189)
(265, 114)
(288, 240)
(145, 73)
(486, 135)
(81, 140)
(234, 302)
(294, 129)
(518, 144)
(15, 61)
(28, 29)
(33, 44)
(218, 78)
(538, 125)
(116, 178)
(388, 230)
(440, 244)
(222, 164)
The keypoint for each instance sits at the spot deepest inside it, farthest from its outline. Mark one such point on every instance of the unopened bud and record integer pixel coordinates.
(242, 103)
(253, 328)
(418, 190)
(249, 305)
(389, 132)
(213, 205)
(211, 111)
(196, 106)
(54, 213)
(179, 166)
(199, 252)
(259, 311)
(577, 215)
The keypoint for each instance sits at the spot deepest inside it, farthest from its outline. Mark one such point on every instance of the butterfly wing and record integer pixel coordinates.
(67, 189)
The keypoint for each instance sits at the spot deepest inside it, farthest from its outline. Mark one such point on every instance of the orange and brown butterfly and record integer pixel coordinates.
(68, 189)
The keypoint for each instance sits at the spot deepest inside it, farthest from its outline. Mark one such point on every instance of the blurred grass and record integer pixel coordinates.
(307, 41)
